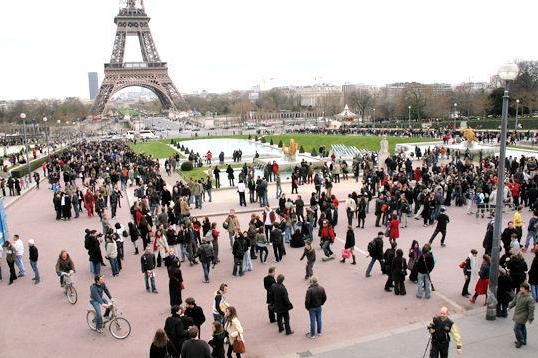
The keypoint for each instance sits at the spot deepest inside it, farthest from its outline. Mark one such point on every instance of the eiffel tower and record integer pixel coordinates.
(152, 73)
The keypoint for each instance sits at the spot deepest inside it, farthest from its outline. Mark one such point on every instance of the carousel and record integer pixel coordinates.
(344, 117)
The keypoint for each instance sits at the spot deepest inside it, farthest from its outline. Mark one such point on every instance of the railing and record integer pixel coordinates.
(136, 65)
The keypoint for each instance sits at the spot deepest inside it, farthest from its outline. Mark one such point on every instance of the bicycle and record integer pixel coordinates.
(119, 327)
(69, 287)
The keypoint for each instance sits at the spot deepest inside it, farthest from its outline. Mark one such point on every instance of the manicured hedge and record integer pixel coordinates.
(186, 166)
(22, 169)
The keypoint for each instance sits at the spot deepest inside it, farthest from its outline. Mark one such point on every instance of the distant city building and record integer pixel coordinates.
(311, 95)
(93, 82)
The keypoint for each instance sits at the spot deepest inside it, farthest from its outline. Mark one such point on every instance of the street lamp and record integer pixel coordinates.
(517, 112)
(373, 122)
(47, 137)
(409, 116)
(455, 113)
(23, 117)
(507, 73)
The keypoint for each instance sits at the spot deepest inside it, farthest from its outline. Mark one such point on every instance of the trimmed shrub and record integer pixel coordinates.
(280, 144)
(256, 138)
(262, 140)
(249, 137)
(22, 169)
(186, 166)
(271, 142)
(301, 150)
(314, 153)
(172, 141)
(182, 148)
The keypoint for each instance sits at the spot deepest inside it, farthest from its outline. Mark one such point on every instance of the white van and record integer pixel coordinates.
(147, 134)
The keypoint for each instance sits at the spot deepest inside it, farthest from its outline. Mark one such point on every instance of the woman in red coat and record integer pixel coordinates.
(394, 227)
(481, 287)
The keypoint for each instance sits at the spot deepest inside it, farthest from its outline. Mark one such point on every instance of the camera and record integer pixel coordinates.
(430, 326)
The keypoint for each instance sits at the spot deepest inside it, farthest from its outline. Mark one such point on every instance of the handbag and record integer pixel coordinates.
(387, 232)
(346, 253)
(238, 345)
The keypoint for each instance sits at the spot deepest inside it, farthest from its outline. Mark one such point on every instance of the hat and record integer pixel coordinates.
(31, 242)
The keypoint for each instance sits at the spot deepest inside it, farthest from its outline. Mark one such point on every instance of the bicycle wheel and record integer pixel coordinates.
(72, 294)
(120, 328)
(90, 318)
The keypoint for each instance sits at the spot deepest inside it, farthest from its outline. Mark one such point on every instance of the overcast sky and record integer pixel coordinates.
(48, 47)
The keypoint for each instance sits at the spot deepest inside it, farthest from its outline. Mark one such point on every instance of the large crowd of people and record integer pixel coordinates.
(165, 230)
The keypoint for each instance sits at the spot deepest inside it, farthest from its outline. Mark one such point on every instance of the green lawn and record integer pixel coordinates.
(199, 173)
(156, 148)
(371, 143)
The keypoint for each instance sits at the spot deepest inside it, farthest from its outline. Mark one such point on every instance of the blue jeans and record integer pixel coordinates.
(114, 265)
(149, 280)
(95, 267)
(371, 265)
(534, 291)
(208, 191)
(315, 317)
(34, 267)
(424, 285)
(531, 235)
(521, 332)
(205, 267)
(20, 265)
(198, 201)
(327, 248)
(218, 317)
(98, 317)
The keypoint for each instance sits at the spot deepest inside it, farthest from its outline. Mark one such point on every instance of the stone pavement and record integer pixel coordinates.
(360, 318)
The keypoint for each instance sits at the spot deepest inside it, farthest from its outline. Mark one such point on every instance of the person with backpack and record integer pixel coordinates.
(442, 220)
(206, 255)
(375, 252)
(238, 252)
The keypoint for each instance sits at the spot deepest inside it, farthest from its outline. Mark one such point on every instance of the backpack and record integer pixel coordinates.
(371, 248)
(139, 192)
(207, 251)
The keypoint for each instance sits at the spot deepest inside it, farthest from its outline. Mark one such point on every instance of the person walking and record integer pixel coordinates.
(206, 255)
(388, 257)
(34, 255)
(314, 300)
(234, 329)
(310, 255)
(268, 282)
(523, 305)
(442, 221)
(282, 305)
(349, 245)
(326, 235)
(147, 264)
(481, 287)
(469, 270)
(375, 252)
(441, 329)
(175, 281)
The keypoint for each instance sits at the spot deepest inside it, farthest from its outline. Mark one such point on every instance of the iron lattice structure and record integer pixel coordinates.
(151, 73)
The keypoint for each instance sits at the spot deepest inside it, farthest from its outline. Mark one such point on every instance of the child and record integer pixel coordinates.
(349, 245)
(217, 342)
(310, 255)
(514, 243)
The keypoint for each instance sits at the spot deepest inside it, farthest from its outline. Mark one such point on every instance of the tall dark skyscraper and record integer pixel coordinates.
(93, 82)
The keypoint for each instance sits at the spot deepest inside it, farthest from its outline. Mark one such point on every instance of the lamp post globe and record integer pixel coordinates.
(45, 119)
(507, 73)
(23, 117)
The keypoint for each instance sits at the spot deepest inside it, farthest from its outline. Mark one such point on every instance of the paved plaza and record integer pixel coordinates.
(359, 317)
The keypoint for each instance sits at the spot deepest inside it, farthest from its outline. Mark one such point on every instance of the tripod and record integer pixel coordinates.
(427, 345)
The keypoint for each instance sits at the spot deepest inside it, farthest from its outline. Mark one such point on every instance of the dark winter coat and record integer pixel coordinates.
(280, 299)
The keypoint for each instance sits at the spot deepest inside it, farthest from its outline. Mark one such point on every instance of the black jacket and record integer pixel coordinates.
(425, 263)
(196, 313)
(315, 296)
(147, 262)
(268, 282)
(33, 253)
(280, 299)
(173, 326)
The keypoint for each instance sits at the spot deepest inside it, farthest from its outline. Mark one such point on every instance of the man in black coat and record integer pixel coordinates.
(376, 254)
(442, 220)
(282, 304)
(268, 282)
(173, 326)
(506, 236)
(315, 298)
(332, 215)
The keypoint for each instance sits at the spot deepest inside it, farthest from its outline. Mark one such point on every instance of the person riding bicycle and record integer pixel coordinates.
(97, 300)
(64, 265)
